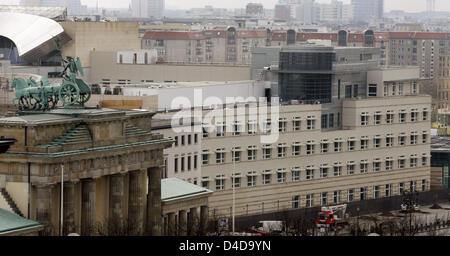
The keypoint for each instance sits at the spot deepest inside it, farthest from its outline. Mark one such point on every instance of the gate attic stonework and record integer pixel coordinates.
(112, 169)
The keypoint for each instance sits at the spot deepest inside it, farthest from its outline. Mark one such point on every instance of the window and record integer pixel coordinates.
(236, 128)
(324, 121)
(220, 156)
(296, 149)
(355, 91)
(295, 174)
(363, 193)
(424, 138)
(220, 182)
(414, 114)
(412, 186)
(364, 166)
(350, 195)
(377, 165)
(236, 154)
(251, 153)
(388, 191)
(220, 130)
(376, 192)
(425, 114)
(377, 118)
(205, 132)
(267, 152)
(364, 143)
(337, 170)
(267, 177)
(338, 146)
(252, 127)
(402, 116)
(377, 141)
(364, 119)
(401, 188)
(309, 173)
(176, 141)
(236, 180)
(389, 164)
(282, 125)
(195, 161)
(205, 157)
(251, 179)
(323, 172)
(389, 140)
(324, 199)
(296, 124)
(331, 121)
(182, 163)
(309, 200)
(189, 158)
(390, 117)
(189, 139)
(337, 197)
(310, 148)
(424, 185)
(281, 150)
(351, 168)
(402, 139)
(281, 175)
(372, 90)
(295, 201)
(351, 144)
(413, 139)
(205, 182)
(413, 161)
(267, 126)
(348, 91)
(195, 138)
(385, 90)
(310, 123)
(176, 165)
(324, 146)
(182, 140)
(424, 161)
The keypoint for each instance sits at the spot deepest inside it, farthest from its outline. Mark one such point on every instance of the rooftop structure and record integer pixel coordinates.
(57, 13)
(13, 225)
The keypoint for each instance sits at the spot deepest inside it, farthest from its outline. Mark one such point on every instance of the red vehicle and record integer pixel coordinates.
(332, 217)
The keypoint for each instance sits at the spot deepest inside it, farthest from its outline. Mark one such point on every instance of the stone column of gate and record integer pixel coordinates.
(116, 202)
(69, 208)
(182, 223)
(193, 222)
(88, 209)
(171, 229)
(43, 209)
(154, 219)
(136, 207)
(203, 219)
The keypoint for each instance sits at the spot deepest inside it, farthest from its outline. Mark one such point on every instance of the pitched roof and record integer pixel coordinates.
(175, 189)
(11, 223)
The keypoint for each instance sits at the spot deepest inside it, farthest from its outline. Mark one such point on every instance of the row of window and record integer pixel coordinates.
(311, 172)
(311, 147)
(185, 140)
(185, 163)
(377, 117)
(363, 194)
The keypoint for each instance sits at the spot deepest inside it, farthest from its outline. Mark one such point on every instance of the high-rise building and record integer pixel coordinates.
(74, 7)
(367, 10)
(282, 12)
(148, 8)
(254, 9)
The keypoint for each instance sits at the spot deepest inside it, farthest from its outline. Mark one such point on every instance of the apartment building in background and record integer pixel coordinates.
(148, 8)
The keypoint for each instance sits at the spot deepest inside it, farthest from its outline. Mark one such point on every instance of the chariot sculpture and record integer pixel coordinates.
(29, 95)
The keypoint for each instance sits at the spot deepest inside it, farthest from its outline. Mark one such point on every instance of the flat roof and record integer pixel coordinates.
(440, 144)
(11, 223)
(175, 189)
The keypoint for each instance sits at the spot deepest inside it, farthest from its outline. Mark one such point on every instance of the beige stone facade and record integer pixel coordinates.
(112, 169)
(382, 149)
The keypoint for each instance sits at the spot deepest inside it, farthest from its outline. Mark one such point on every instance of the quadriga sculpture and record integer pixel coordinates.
(29, 95)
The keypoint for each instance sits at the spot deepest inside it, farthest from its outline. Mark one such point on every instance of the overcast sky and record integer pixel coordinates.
(407, 5)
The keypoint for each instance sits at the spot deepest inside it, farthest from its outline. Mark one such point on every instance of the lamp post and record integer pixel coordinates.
(62, 201)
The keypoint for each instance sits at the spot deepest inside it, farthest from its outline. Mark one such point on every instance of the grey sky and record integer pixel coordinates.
(407, 5)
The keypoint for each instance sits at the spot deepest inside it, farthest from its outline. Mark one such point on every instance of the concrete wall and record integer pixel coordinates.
(89, 37)
(104, 66)
(19, 193)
